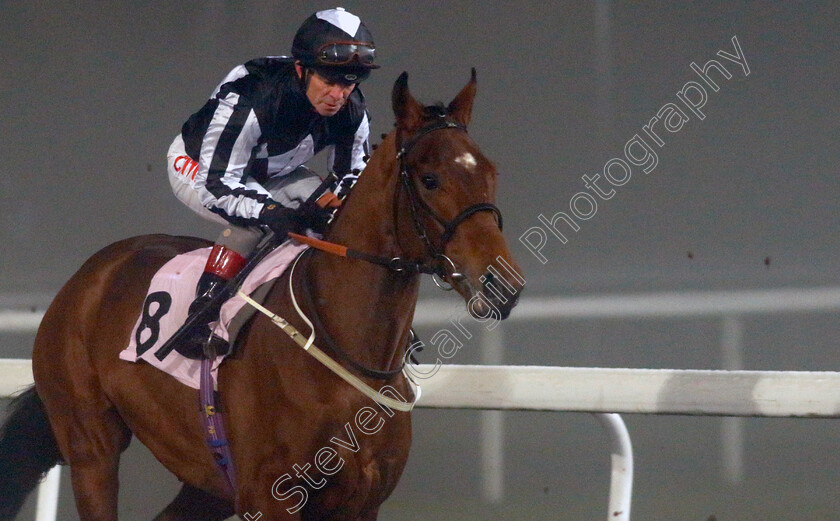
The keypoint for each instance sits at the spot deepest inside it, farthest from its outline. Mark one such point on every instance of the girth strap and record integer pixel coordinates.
(214, 426)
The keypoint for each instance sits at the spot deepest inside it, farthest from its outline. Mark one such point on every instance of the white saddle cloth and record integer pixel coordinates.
(168, 299)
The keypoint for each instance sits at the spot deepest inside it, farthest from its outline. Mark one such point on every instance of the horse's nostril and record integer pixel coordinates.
(492, 289)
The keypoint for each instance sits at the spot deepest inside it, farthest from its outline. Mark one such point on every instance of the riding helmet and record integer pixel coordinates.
(337, 45)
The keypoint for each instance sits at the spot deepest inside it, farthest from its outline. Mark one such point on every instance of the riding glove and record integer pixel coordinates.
(282, 220)
(314, 217)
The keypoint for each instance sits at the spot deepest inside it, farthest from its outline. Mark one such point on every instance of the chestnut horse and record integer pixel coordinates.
(300, 450)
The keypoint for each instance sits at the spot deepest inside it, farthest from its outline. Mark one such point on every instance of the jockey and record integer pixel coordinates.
(239, 160)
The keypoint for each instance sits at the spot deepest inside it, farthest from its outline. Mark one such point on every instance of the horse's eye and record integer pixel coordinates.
(430, 181)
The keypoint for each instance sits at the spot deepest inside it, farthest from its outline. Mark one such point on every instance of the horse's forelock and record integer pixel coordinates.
(438, 110)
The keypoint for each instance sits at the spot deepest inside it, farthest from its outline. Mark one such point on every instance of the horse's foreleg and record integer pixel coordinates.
(89, 432)
(92, 446)
(192, 504)
(95, 488)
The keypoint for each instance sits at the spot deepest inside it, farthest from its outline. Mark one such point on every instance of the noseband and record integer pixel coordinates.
(417, 204)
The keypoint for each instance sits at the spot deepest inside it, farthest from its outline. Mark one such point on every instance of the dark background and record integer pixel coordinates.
(94, 92)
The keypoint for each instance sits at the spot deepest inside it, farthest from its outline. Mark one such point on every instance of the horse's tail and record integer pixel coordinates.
(27, 450)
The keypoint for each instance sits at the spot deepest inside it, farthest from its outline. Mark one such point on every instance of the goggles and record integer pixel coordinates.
(344, 53)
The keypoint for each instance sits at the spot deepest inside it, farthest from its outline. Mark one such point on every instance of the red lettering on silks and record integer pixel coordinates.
(175, 164)
(193, 170)
(185, 166)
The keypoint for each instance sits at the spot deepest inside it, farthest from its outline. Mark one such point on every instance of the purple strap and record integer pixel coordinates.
(214, 426)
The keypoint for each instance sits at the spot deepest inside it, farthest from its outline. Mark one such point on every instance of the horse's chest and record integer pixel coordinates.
(362, 463)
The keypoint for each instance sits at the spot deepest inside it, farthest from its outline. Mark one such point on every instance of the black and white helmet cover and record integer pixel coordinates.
(336, 44)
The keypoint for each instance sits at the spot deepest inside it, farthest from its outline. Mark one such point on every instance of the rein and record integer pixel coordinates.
(316, 321)
(309, 346)
(392, 263)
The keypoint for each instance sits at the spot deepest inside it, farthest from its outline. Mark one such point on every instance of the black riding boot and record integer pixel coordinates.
(199, 341)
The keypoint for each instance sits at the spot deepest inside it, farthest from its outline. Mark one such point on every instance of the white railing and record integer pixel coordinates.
(786, 394)
(730, 307)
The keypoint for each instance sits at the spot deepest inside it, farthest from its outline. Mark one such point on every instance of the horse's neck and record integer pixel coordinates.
(367, 309)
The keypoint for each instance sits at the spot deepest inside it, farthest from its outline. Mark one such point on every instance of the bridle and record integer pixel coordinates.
(438, 265)
(439, 262)
(417, 204)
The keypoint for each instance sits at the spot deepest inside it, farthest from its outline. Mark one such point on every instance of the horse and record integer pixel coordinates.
(424, 204)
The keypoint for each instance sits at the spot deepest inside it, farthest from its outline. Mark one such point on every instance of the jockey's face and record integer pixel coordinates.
(327, 97)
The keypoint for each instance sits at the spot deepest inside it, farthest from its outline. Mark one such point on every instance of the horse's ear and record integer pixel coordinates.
(461, 106)
(408, 111)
